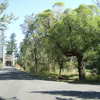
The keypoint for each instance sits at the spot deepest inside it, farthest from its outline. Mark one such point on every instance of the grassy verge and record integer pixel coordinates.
(55, 77)
(67, 76)
(71, 78)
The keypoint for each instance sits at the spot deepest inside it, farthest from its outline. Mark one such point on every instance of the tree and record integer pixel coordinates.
(5, 20)
(74, 42)
(11, 46)
(75, 33)
(31, 46)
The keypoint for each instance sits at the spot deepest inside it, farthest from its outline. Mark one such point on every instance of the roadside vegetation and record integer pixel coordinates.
(62, 42)
(1, 64)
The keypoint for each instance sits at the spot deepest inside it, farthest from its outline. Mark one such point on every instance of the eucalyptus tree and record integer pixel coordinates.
(74, 33)
(36, 30)
(25, 54)
(11, 45)
(31, 48)
(5, 20)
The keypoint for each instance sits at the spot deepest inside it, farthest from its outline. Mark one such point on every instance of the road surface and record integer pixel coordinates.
(17, 85)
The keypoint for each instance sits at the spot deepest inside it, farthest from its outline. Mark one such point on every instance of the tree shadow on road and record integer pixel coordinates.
(14, 74)
(1, 98)
(77, 94)
(60, 98)
(13, 98)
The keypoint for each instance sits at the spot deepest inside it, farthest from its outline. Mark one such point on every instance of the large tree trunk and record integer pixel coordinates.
(36, 60)
(81, 68)
(60, 62)
(60, 70)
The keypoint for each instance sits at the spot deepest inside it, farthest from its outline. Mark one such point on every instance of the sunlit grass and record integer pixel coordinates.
(67, 75)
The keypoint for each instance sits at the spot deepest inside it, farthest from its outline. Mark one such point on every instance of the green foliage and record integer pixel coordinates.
(11, 46)
(94, 60)
(4, 19)
(59, 4)
(51, 41)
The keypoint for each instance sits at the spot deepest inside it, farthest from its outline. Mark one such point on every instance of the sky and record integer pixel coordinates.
(22, 8)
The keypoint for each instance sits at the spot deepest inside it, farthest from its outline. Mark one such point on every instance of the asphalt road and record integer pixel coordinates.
(17, 85)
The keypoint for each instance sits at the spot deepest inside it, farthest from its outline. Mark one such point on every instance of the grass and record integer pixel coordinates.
(71, 78)
(55, 77)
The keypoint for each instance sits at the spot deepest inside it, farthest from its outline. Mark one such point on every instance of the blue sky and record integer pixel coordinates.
(22, 8)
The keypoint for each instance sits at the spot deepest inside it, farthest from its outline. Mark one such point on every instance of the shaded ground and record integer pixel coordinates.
(9, 73)
(17, 85)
